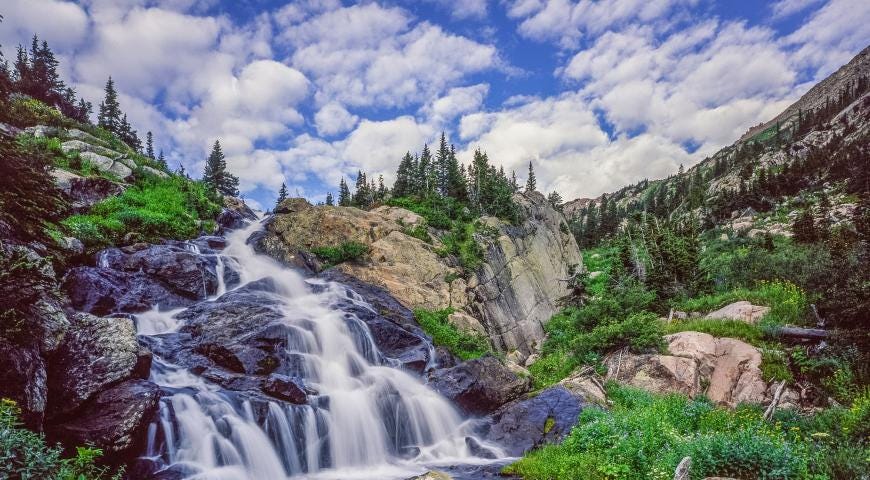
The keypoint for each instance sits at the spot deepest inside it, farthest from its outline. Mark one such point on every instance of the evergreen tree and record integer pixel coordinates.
(149, 145)
(804, 228)
(282, 194)
(455, 177)
(531, 182)
(162, 160)
(824, 227)
(404, 177)
(362, 195)
(426, 173)
(382, 189)
(555, 199)
(442, 159)
(109, 117)
(128, 135)
(344, 199)
(514, 184)
(329, 200)
(216, 175)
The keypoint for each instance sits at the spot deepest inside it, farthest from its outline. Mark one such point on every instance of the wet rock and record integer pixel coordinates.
(528, 423)
(479, 386)
(236, 214)
(96, 352)
(285, 388)
(115, 420)
(23, 379)
(477, 449)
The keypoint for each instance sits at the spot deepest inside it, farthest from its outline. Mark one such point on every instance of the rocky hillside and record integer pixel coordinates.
(509, 297)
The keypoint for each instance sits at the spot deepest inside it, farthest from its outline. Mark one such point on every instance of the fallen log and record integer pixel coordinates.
(798, 332)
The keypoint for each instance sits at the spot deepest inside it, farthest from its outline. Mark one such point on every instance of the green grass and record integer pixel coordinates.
(751, 334)
(152, 210)
(464, 345)
(25, 454)
(599, 259)
(345, 252)
(645, 436)
(788, 303)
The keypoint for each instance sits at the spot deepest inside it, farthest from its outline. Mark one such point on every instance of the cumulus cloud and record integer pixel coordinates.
(566, 21)
(785, 8)
(367, 55)
(60, 23)
(831, 36)
(456, 102)
(333, 119)
(462, 9)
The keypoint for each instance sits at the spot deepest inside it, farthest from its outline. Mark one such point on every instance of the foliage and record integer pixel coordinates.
(645, 436)
(464, 345)
(216, 175)
(461, 243)
(26, 111)
(29, 199)
(345, 252)
(24, 454)
(418, 231)
(788, 302)
(153, 209)
(749, 333)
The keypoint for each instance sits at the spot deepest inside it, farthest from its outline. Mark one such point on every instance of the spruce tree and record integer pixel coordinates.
(344, 199)
(329, 200)
(215, 174)
(531, 182)
(440, 174)
(804, 227)
(403, 186)
(282, 194)
(455, 178)
(149, 145)
(555, 199)
(109, 116)
(162, 159)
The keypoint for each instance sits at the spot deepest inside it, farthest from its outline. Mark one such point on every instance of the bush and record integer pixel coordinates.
(345, 252)
(464, 345)
(154, 209)
(26, 112)
(646, 436)
(24, 454)
(788, 303)
(752, 334)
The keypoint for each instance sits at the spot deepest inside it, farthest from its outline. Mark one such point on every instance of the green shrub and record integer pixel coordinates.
(24, 454)
(551, 368)
(646, 436)
(749, 333)
(345, 252)
(788, 302)
(418, 231)
(461, 243)
(27, 112)
(153, 209)
(464, 345)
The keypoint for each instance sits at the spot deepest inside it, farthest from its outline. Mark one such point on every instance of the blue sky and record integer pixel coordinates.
(596, 93)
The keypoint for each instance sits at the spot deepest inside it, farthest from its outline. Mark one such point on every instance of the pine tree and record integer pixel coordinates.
(216, 175)
(442, 158)
(531, 182)
(162, 160)
(456, 187)
(362, 195)
(344, 199)
(109, 117)
(555, 199)
(282, 194)
(329, 200)
(425, 173)
(128, 135)
(804, 228)
(149, 145)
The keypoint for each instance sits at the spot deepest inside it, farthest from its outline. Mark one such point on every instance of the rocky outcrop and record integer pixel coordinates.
(531, 422)
(509, 298)
(479, 386)
(84, 192)
(726, 370)
(135, 278)
(741, 311)
(95, 353)
(517, 289)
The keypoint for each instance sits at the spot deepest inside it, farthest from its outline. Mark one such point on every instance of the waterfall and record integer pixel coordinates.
(367, 420)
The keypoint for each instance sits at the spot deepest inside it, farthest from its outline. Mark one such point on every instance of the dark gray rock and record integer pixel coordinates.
(236, 214)
(23, 379)
(84, 192)
(285, 388)
(95, 353)
(479, 386)
(116, 420)
(531, 422)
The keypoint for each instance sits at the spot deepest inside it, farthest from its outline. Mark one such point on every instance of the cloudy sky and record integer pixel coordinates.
(596, 93)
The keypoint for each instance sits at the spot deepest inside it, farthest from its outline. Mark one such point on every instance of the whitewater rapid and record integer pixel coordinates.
(367, 420)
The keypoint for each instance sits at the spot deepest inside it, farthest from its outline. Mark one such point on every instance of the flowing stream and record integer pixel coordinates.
(368, 420)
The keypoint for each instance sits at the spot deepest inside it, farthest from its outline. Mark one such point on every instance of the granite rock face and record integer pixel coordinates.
(479, 386)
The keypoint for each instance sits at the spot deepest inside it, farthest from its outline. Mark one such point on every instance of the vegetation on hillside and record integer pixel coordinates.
(464, 345)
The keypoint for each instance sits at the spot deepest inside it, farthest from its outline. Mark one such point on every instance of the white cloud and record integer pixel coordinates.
(462, 9)
(831, 37)
(333, 119)
(785, 8)
(566, 21)
(63, 25)
(377, 147)
(457, 101)
(371, 55)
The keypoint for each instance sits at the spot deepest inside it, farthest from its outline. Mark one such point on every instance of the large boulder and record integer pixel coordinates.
(95, 353)
(236, 214)
(518, 288)
(80, 146)
(23, 379)
(103, 163)
(729, 368)
(742, 311)
(135, 278)
(479, 386)
(115, 420)
(528, 423)
(84, 192)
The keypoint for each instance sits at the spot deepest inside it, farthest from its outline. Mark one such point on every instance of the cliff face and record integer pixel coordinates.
(512, 295)
(517, 289)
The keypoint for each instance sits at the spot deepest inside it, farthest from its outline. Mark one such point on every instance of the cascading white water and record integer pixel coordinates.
(368, 420)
